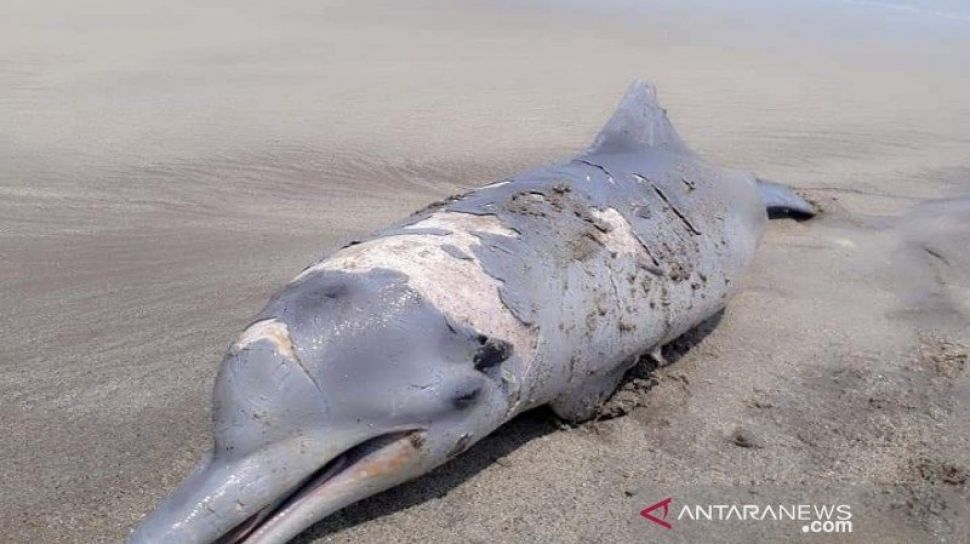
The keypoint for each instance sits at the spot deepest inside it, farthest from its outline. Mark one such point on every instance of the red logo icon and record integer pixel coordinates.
(661, 521)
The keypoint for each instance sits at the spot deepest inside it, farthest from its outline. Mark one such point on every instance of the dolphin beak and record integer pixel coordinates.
(273, 495)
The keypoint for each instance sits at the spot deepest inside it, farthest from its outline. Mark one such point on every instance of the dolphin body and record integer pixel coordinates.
(397, 353)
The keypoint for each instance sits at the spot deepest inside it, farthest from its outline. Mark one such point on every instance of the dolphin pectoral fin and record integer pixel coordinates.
(582, 402)
(781, 201)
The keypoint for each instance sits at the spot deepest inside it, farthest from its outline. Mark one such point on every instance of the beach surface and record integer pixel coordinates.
(166, 166)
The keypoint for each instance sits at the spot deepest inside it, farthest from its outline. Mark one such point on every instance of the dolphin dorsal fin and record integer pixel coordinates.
(639, 123)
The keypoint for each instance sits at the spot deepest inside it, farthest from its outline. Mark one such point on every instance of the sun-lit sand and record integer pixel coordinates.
(165, 167)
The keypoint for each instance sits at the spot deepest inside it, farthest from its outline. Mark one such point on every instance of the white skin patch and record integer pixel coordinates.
(269, 329)
(458, 287)
(461, 224)
(620, 238)
(496, 184)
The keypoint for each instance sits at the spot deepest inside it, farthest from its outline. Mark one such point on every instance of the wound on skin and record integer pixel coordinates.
(271, 330)
(491, 353)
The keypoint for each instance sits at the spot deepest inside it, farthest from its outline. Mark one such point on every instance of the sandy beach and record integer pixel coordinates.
(165, 167)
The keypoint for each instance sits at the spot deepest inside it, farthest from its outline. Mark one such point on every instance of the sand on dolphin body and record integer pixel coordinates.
(165, 168)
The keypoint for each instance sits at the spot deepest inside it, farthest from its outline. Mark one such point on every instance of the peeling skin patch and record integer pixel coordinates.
(619, 237)
(458, 287)
(455, 229)
(271, 330)
(464, 223)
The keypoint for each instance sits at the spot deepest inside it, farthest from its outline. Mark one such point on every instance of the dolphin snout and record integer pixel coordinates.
(219, 495)
(272, 496)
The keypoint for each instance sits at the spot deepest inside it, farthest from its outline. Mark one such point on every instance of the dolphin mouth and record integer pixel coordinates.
(325, 491)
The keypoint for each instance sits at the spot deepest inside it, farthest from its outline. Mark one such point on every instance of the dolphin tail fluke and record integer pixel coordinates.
(781, 201)
(639, 123)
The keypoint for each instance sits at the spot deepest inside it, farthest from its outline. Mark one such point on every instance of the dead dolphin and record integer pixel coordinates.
(395, 354)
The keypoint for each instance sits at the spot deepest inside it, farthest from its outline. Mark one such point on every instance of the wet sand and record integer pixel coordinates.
(164, 169)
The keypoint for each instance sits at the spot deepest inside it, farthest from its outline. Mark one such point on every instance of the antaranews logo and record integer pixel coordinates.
(661, 521)
(813, 518)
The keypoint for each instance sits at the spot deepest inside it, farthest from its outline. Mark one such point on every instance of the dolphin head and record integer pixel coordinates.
(346, 385)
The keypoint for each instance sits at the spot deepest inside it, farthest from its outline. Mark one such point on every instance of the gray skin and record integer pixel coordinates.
(358, 377)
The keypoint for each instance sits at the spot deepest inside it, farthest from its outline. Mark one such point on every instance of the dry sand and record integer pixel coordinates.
(164, 168)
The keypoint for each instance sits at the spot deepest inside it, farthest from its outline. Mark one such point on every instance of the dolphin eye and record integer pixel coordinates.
(490, 352)
(466, 394)
(465, 398)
